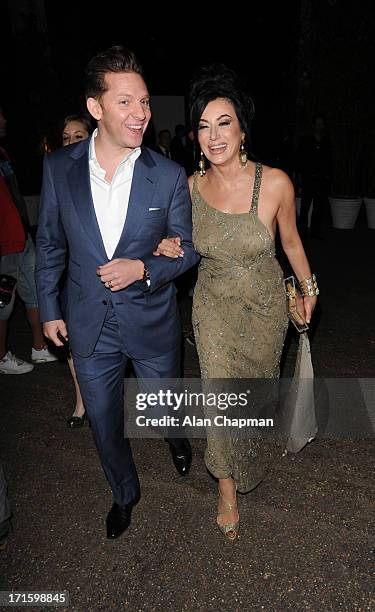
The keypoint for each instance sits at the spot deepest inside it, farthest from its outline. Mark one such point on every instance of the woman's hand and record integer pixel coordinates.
(309, 304)
(170, 247)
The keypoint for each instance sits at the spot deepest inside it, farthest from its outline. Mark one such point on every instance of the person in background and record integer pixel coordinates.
(178, 144)
(314, 174)
(164, 143)
(75, 129)
(20, 264)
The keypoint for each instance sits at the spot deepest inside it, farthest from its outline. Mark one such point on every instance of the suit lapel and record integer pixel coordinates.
(79, 183)
(141, 194)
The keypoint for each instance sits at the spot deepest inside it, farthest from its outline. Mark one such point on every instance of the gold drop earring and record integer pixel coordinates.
(202, 165)
(243, 156)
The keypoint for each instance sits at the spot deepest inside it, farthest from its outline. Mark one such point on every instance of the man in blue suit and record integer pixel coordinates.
(106, 204)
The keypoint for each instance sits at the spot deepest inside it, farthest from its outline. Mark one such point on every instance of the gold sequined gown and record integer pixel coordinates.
(239, 320)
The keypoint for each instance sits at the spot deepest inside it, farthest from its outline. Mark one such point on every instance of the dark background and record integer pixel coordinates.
(298, 58)
(306, 540)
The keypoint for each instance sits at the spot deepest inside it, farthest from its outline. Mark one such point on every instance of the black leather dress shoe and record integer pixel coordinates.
(118, 520)
(74, 422)
(181, 455)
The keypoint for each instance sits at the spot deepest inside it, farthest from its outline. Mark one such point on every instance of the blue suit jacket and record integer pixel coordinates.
(68, 235)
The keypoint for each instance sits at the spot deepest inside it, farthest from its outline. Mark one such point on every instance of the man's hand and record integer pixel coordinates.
(51, 330)
(170, 247)
(120, 273)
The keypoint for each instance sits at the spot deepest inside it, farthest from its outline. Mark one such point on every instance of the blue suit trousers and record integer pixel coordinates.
(101, 381)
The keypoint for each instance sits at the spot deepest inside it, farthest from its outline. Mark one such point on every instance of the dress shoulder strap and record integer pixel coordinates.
(195, 187)
(256, 188)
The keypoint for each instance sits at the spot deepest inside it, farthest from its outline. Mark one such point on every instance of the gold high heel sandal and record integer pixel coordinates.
(229, 530)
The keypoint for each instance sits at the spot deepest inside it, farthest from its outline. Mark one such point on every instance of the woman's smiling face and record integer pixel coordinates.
(219, 132)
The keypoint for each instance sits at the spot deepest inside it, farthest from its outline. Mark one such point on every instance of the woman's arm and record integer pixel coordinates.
(290, 240)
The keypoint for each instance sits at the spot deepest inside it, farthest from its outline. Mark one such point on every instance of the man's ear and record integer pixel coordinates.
(94, 108)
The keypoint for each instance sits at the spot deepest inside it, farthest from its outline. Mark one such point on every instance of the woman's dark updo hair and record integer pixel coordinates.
(219, 81)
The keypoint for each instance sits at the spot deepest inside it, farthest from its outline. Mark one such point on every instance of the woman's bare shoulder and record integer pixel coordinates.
(276, 179)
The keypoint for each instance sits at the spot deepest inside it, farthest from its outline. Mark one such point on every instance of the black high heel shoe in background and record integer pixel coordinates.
(75, 422)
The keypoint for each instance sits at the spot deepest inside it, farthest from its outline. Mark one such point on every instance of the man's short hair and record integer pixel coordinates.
(115, 59)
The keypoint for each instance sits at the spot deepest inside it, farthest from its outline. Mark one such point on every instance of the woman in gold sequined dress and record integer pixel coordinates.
(239, 313)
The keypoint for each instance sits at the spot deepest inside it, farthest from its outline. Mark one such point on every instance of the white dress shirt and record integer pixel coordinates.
(111, 200)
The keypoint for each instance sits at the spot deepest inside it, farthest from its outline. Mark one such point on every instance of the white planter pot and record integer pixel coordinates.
(370, 212)
(345, 212)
